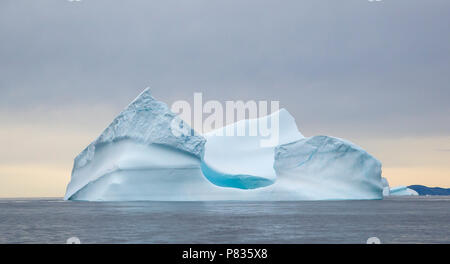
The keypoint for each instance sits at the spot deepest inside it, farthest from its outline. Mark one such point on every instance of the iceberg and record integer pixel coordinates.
(138, 142)
(396, 191)
(138, 157)
(402, 191)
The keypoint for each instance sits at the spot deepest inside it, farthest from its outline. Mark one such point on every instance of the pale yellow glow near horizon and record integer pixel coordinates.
(33, 180)
(432, 177)
(36, 158)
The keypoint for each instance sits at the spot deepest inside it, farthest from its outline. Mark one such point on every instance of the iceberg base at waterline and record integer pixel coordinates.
(138, 158)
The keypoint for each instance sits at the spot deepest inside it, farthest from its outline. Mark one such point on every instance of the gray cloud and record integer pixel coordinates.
(340, 67)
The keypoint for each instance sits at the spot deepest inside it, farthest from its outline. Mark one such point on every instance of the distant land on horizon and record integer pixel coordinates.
(424, 190)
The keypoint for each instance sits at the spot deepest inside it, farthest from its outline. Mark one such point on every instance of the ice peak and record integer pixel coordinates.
(145, 120)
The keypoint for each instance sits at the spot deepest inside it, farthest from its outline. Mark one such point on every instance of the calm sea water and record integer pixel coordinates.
(393, 220)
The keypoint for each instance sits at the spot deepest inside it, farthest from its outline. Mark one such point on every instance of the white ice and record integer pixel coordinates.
(145, 122)
(326, 168)
(246, 161)
(139, 158)
(402, 191)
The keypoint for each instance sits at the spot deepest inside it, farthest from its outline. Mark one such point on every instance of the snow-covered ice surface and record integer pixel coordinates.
(326, 168)
(402, 191)
(246, 161)
(138, 158)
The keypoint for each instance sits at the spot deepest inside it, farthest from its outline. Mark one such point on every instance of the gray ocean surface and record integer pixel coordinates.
(393, 220)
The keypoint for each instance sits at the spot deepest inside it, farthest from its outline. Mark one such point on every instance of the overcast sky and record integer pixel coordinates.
(377, 73)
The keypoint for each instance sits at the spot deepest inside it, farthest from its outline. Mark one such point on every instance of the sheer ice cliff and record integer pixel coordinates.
(385, 184)
(137, 157)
